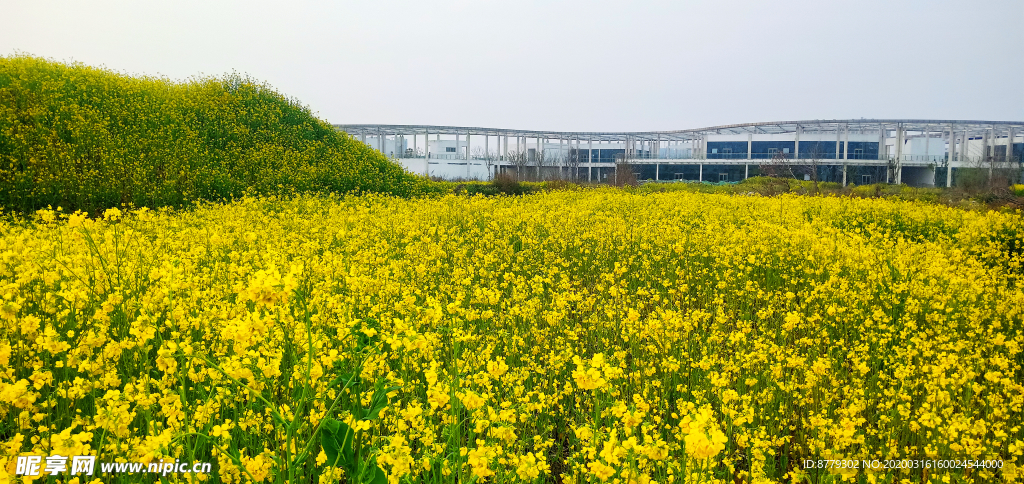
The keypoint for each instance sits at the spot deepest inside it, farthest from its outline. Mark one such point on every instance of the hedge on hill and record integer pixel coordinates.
(87, 138)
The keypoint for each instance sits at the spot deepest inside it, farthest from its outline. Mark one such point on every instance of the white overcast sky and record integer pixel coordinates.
(563, 65)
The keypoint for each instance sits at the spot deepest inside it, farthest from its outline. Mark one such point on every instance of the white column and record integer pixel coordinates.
(1009, 146)
(576, 176)
(700, 174)
(520, 144)
(900, 134)
(590, 159)
(990, 150)
(881, 145)
(846, 150)
(846, 142)
(561, 162)
(746, 170)
(927, 141)
(750, 146)
(426, 152)
(487, 149)
(796, 142)
(657, 168)
(991, 143)
(526, 149)
(540, 156)
(657, 148)
(468, 152)
(839, 140)
(952, 152)
(568, 151)
(457, 149)
(965, 152)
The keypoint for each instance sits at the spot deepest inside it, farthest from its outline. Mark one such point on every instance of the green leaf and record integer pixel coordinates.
(365, 341)
(378, 475)
(345, 378)
(280, 419)
(379, 400)
(358, 412)
(374, 412)
(362, 340)
(336, 439)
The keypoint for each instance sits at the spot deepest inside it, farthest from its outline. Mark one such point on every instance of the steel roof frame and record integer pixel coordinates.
(973, 128)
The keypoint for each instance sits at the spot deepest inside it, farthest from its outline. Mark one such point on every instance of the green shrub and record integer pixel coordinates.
(507, 184)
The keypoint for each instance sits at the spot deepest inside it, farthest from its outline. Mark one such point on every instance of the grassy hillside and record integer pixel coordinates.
(88, 138)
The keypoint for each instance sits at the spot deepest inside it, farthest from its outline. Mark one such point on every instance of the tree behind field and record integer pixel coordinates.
(519, 160)
(811, 167)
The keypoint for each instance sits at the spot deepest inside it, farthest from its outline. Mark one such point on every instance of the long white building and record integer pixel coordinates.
(911, 151)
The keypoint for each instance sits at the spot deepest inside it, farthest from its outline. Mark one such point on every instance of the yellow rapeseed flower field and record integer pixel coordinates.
(589, 336)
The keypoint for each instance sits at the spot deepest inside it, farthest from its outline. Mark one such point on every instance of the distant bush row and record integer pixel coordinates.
(1003, 199)
(89, 138)
(1011, 198)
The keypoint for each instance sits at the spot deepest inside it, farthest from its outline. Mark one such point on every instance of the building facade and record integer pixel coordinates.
(914, 152)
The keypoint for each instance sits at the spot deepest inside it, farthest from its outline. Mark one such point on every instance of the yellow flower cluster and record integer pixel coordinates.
(702, 437)
(585, 336)
(592, 375)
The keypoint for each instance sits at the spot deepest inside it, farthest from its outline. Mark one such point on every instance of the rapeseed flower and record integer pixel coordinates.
(588, 335)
